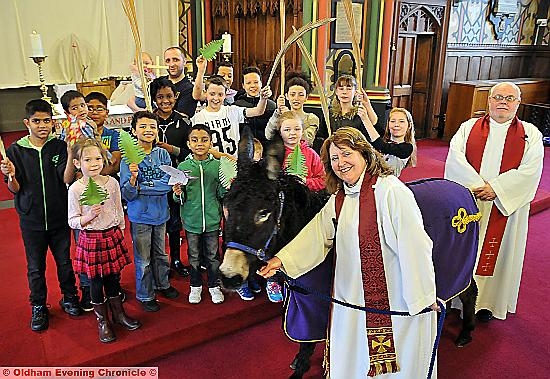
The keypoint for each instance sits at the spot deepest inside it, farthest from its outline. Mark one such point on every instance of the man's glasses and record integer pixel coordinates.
(98, 109)
(509, 98)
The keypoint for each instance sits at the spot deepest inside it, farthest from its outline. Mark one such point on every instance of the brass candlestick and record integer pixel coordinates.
(39, 61)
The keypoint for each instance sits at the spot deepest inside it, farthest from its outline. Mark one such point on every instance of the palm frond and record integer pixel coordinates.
(93, 194)
(131, 151)
(296, 163)
(210, 50)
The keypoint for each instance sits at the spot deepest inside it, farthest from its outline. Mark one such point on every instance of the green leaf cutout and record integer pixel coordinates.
(296, 163)
(93, 194)
(131, 151)
(227, 171)
(210, 49)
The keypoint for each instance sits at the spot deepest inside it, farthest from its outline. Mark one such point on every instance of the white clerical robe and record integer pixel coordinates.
(406, 250)
(515, 189)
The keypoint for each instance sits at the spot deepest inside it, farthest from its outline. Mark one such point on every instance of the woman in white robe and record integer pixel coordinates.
(406, 252)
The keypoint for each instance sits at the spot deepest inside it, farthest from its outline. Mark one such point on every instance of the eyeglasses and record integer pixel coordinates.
(509, 98)
(98, 109)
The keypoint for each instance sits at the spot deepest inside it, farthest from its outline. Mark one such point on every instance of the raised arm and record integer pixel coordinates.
(259, 109)
(198, 87)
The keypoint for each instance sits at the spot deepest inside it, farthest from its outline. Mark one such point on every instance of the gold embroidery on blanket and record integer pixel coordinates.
(462, 219)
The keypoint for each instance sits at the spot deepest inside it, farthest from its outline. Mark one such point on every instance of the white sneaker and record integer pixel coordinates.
(195, 295)
(217, 295)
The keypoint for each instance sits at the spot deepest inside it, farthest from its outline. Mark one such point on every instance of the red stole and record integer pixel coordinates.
(512, 155)
(383, 358)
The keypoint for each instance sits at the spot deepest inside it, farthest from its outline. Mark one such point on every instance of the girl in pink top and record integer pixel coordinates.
(100, 250)
(291, 128)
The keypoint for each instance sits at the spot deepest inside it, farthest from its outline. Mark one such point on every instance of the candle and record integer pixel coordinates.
(37, 50)
(226, 43)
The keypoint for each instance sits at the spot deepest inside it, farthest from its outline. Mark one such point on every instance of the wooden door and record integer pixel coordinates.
(418, 59)
(255, 27)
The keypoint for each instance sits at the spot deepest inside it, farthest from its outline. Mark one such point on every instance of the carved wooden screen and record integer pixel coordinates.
(255, 27)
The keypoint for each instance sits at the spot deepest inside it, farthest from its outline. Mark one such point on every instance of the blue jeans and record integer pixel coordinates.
(210, 242)
(150, 259)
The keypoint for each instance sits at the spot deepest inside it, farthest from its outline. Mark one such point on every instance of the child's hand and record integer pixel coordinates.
(281, 105)
(177, 189)
(134, 171)
(95, 209)
(201, 63)
(362, 113)
(265, 93)
(7, 168)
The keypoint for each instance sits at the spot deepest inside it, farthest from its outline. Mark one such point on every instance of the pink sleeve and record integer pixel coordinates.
(315, 180)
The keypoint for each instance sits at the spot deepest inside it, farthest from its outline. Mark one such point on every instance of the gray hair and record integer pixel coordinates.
(513, 85)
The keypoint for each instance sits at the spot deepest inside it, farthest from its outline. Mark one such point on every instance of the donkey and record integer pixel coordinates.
(267, 208)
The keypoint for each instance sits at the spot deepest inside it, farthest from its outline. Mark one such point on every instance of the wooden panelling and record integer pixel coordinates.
(491, 62)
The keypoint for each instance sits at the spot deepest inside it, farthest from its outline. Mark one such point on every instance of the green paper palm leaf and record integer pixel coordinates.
(227, 171)
(211, 48)
(131, 151)
(296, 163)
(93, 194)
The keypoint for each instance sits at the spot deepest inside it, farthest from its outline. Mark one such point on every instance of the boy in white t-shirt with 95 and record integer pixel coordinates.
(224, 120)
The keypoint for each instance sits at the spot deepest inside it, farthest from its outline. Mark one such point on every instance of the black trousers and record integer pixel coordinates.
(36, 247)
(109, 283)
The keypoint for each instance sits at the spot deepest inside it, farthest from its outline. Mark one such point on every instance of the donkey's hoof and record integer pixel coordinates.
(463, 340)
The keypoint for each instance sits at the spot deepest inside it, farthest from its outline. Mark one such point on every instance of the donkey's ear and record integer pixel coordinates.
(274, 156)
(246, 148)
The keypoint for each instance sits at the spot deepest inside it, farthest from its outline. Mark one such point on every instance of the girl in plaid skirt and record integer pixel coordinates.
(100, 251)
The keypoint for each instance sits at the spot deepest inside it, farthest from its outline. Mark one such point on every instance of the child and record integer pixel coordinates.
(297, 90)
(173, 132)
(343, 111)
(291, 129)
(76, 110)
(201, 211)
(137, 103)
(100, 250)
(144, 187)
(35, 171)
(249, 98)
(400, 148)
(98, 112)
(224, 120)
(225, 70)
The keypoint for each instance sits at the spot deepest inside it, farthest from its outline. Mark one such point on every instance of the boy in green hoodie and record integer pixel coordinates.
(201, 211)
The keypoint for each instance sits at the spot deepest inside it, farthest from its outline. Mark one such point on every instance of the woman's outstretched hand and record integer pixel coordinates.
(270, 268)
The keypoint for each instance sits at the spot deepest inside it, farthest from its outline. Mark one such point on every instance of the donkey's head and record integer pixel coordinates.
(253, 211)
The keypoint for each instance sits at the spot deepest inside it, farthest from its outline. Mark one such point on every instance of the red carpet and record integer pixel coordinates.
(516, 348)
(73, 341)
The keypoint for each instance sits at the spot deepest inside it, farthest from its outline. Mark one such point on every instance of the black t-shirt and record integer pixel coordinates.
(175, 131)
(185, 103)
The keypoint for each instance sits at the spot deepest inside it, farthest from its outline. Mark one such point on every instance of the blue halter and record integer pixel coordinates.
(261, 253)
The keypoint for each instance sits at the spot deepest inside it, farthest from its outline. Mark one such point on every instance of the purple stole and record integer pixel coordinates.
(512, 155)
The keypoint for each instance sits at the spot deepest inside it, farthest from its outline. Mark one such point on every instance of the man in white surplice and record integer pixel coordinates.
(509, 188)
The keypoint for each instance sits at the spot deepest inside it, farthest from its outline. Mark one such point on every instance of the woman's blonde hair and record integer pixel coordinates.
(355, 140)
(409, 135)
(81, 144)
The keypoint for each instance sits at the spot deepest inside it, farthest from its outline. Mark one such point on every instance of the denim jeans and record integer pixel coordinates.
(36, 247)
(210, 241)
(150, 259)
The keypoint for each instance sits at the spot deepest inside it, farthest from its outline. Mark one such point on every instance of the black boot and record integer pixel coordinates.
(119, 316)
(178, 267)
(106, 333)
(40, 318)
(86, 299)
